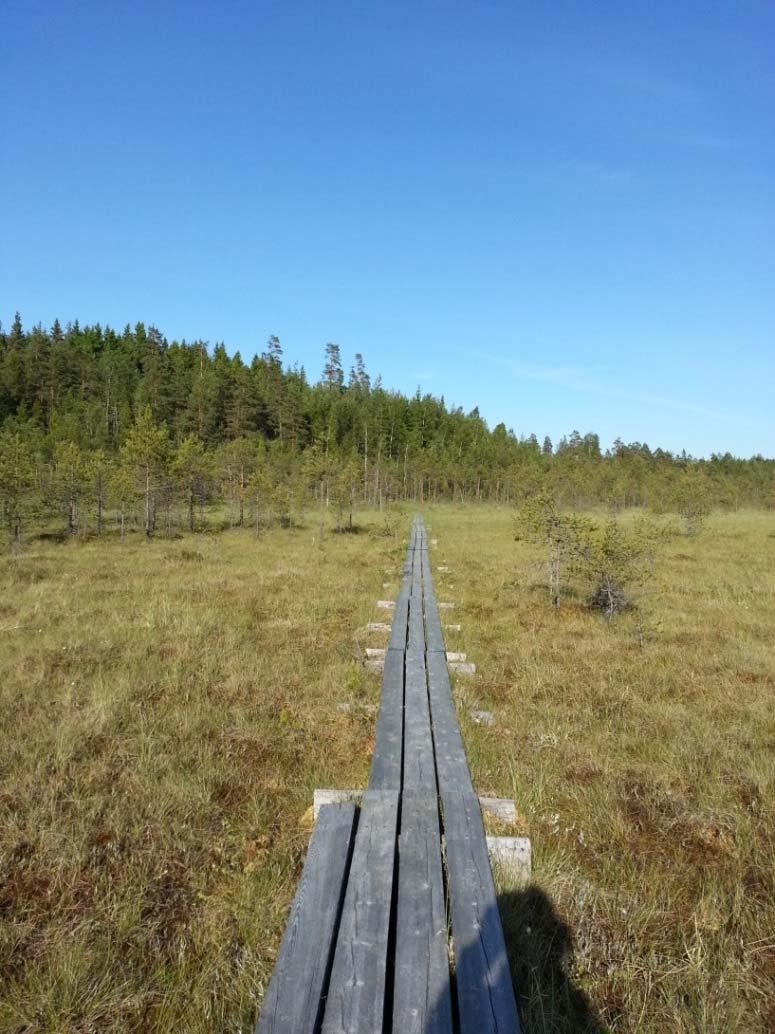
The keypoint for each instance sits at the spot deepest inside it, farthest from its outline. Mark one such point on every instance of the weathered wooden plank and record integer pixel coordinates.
(433, 634)
(386, 759)
(355, 1003)
(434, 637)
(451, 763)
(294, 999)
(419, 766)
(421, 990)
(426, 568)
(416, 628)
(485, 996)
(400, 621)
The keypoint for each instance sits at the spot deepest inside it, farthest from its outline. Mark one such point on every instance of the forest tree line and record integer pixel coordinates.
(97, 425)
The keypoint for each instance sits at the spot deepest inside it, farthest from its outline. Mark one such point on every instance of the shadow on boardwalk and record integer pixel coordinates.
(540, 946)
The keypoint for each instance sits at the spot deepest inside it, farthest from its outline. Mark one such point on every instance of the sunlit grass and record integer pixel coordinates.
(640, 755)
(167, 709)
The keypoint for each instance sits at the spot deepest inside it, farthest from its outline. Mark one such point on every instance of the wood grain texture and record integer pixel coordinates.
(416, 632)
(398, 629)
(419, 766)
(421, 991)
(451, 763)
(388, 744)
(485, 996)
(355, 1003)
(294, 999)
(434, 639)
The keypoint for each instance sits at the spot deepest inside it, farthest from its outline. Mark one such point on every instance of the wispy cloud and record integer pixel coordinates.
(677, 405)
(596, 379)
(581, 377)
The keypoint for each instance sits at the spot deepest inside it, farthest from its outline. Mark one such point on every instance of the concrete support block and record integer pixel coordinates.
(375, 653)
(453, 628)
(452, 656)
(446, 606)
(321, 797)
(378, 626)
(462, 668)
(503, 808)
(512, 855)
(482, 717)
(386, 604)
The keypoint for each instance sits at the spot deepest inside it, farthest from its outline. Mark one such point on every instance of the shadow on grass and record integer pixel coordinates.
(540, 947)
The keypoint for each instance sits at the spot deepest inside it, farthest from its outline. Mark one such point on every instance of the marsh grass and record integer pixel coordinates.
(167, 708)
(642, 767)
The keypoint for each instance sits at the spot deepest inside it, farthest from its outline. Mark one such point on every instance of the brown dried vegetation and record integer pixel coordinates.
(640, 755)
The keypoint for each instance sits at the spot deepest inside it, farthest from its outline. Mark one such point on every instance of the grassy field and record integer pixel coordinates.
(640, 755)
(167, 708)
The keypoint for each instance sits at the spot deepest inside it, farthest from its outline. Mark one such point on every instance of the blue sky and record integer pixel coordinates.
(561, 213)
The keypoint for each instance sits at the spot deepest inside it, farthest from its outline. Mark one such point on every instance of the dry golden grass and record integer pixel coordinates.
(640, 756)
(167, 709)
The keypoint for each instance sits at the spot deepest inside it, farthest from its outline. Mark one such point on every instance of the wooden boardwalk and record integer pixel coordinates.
(395, 925)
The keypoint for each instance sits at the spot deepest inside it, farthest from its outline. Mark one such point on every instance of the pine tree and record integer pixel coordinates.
(17, 473)
(70, 482)
(359, 379)
(237, 463)
(191, 468)
(273, 356)
(145, 452)
(333, 374)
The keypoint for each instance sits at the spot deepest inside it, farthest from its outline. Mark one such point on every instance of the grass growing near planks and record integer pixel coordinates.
(166, 710)
(641, 761)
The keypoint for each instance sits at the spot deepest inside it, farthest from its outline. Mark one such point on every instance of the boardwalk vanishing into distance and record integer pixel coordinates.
(395, 924)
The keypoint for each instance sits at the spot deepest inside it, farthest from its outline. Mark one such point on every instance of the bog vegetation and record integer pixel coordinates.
(168, 706)
(128, 429)
(169, 703)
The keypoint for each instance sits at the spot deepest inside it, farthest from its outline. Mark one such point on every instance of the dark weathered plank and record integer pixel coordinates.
(434, 637)
(400, 621)
(421, 990)
(356, 990)
(433, 633)
(451, 763)
(485, 996)
(416, 633)
(419, 767)
(425, 564)
(388, 746)
(294, 1000)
